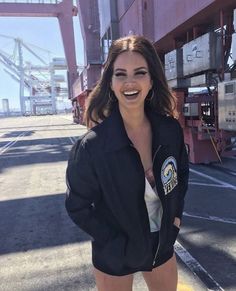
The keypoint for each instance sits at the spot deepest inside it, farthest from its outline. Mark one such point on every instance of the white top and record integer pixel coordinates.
(154, 206)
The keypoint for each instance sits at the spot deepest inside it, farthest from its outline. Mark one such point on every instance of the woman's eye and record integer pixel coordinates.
(141, 73)
(120, 75)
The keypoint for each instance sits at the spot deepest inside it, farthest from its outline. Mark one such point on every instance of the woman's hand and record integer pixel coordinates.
(177, 222)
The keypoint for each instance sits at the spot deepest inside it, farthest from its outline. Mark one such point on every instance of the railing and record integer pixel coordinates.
(32, 1)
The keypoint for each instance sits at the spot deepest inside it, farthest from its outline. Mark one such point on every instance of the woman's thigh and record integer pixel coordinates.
(107, 282)
(164, 277)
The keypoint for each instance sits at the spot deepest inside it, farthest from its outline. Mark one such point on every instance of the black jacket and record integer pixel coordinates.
(106, 184)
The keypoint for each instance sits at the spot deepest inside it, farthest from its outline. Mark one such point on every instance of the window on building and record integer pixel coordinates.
(106, 43)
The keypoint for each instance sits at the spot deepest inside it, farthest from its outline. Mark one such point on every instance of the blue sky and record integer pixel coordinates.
(41, 32)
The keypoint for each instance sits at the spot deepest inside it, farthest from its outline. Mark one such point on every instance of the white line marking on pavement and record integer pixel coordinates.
(227, 185)
(211, 218)
(232, 173)
(71, 140)
(196, 268)
(210, 185)
(11, 143)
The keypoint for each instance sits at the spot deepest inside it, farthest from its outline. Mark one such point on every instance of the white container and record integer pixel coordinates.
(174, 64)
(202, 54)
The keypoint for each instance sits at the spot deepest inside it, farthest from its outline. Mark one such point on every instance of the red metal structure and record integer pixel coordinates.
(179, 30)
(178, 23)
(90, 29)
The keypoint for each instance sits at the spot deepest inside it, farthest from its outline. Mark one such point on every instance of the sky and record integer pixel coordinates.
(41, 32)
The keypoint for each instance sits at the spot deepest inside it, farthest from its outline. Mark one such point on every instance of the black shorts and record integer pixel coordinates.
(154, 236)
(148, 266)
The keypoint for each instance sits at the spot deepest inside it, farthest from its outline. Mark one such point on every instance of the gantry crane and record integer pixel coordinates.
(64, 11)
(40, 80)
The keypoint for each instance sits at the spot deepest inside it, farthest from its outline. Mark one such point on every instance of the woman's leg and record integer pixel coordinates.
(107, 282)
(164, 277)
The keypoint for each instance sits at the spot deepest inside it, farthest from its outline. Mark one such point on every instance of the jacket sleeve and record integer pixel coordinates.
(83, 192)
(183, 173)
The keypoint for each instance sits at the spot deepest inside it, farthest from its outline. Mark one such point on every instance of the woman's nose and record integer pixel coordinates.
(129, 79)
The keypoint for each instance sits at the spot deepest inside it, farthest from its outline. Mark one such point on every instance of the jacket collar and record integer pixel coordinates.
(116, 133)
(117, 137)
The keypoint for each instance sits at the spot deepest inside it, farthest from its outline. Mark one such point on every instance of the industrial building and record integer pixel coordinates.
(196, 41)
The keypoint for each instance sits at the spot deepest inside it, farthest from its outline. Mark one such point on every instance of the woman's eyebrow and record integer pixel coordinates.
(140, 68)
(123, 70)
(118, 69)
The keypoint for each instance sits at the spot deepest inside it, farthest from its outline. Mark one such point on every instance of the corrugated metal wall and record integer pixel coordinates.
(169, 14)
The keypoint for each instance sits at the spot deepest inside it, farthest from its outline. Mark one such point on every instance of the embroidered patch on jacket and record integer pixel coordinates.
(169, 174)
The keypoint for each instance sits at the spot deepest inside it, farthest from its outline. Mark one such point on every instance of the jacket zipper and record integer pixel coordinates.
(156, 253)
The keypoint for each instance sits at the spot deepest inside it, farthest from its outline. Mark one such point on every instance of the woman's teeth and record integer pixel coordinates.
(129, 94)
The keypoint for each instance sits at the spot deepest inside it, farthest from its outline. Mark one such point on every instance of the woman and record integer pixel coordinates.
(127, 176)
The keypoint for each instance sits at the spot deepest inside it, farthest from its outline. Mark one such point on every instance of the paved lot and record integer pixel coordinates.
(41, 249)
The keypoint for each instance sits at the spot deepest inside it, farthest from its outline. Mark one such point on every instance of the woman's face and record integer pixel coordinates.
(131, 80)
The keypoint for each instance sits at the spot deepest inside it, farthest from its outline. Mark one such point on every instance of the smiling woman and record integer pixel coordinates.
(102, 99)
(127, 176)
(131, 81)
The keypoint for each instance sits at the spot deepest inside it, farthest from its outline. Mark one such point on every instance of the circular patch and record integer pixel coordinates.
(169, 174)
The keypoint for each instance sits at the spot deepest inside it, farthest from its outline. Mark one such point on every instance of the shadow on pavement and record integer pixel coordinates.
(17, 133)
(27, 152)
(35, 223)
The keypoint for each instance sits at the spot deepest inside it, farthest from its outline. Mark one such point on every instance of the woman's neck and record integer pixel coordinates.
(133, 119)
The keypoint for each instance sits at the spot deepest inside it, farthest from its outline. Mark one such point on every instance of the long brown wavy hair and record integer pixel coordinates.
(102, 99)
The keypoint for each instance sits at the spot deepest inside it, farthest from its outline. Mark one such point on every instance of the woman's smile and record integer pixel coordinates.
(131, 95)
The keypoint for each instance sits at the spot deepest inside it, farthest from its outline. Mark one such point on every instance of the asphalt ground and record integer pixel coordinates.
(41, 249)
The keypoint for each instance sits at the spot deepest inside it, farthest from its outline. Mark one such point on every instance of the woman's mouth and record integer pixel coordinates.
(130, 95)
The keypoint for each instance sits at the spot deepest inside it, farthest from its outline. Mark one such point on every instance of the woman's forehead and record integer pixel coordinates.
(130, 59)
